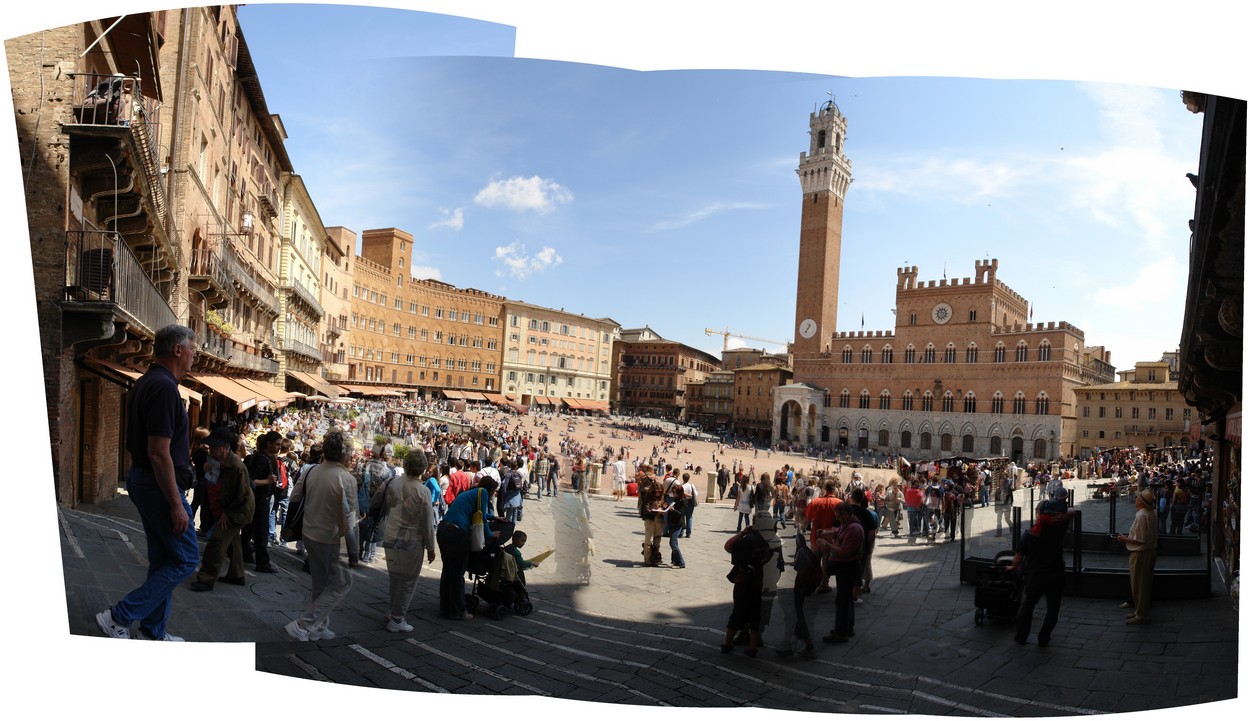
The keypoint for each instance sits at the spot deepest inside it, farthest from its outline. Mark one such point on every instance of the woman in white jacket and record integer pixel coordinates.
(407, 536)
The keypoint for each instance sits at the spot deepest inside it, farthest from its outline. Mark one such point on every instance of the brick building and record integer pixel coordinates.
(336, 299)
(710, 402)
(964, 371)
(651, 373)
(422, 335)
(1144, 408)
(300, 313)
(556, 357)
(753, 389)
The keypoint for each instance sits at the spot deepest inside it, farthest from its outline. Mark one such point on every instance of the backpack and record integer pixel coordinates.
(807, 570)
(748, 556)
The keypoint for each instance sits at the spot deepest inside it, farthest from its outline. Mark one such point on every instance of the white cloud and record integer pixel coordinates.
(1156, 284)
(957, 179)
(520, 265)
(521, 194)
(453, 219)
(703, 214)
(426, 272)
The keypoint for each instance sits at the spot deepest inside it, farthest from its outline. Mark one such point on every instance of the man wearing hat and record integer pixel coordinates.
(1142, 543)
(234, 506)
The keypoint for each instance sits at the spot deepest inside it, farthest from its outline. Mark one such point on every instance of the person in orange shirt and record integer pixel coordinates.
(820, 514)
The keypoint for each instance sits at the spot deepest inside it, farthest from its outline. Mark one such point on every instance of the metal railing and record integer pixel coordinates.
(304, 349)
(99, 267)
(240, 359)
(236, 271)
(206, 262)
(305, 295)
(210, 342)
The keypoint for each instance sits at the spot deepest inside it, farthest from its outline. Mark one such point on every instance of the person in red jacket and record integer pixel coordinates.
(913, 500)
(820, 513)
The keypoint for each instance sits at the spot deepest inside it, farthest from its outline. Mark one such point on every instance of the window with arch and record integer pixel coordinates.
(970, 355)
(996, 403)
(904, 439)
(909, 355)
(967, 443)
(946, 441)
(1018, 404)
(883, 437)
(864, 399)
(950, 353)
(887, 355)
(926, 441)
(865, 356)
(926, 403)
(930, 354)
(1039, 448)
(996, 446)
(884, 401)
(948, 402)
(1043, 351)
(908, 400)
(970, 403)
(1043, 404)
(844, 399)
(1000, 353)
(1022, 352)
(846, 354)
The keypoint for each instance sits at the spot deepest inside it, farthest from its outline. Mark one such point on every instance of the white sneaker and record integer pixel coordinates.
(400, 626)
(320, 634)
(111, 628)
(297, 632)
(167, 637)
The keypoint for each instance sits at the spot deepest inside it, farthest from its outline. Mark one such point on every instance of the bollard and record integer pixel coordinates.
(711, 486)
(590, 479)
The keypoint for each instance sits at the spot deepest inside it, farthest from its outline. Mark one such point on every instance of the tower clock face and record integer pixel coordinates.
(941, 313)
(807, 328)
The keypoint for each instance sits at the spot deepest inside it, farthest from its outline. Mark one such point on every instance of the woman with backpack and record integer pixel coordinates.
(748, 552)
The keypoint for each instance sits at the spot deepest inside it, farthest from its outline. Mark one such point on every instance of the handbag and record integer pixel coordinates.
(477, 527)
(293, 527)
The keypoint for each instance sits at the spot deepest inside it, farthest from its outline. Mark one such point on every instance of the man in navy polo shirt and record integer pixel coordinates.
(160, 456)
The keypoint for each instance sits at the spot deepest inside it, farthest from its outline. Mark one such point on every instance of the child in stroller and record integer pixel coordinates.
(497, 577)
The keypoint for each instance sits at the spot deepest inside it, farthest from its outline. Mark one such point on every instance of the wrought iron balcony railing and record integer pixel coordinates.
(99, 267)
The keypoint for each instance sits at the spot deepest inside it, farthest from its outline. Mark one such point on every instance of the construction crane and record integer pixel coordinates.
(727, 334)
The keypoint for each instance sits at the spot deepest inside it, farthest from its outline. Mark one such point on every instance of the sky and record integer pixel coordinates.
(1077, 188)
(614, 192)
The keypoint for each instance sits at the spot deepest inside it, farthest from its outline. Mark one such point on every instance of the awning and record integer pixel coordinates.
(496, 398)
(572, 403)
(127, 376)
(474, 396)
(601, 406)
(314, 382)
(453, 395)
(243, 397)
(542, 401)
(270, 392)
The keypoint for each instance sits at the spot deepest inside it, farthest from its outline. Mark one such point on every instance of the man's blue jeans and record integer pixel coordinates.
(172, 558)
(913, 521)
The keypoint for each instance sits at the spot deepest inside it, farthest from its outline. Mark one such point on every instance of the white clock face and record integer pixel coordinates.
(941, 313)
(807, 328)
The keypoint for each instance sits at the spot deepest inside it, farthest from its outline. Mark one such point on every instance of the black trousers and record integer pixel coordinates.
(1037, 585)
(256, 535)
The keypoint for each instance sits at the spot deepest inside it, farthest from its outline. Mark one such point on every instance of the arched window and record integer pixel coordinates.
(970, 403)
(865, 356)
(930, 354)
(926, 403)
(820, 139)
(844, 399)
(970, 355)
(1022, 352)
(1042, 404)
(1000, 353)
(996, 446)
(967, 444)
(950, 353)
(946, 441)
(926, 441)
(908, 400)
(948, 402)
(1039, 448)
(996, 404)
(909, 355)
(1018, 404)
(1043, 351)
(864, 399)
(904, 440)
(887, 355)
(884, 402)
(883, 437)
(846, 354)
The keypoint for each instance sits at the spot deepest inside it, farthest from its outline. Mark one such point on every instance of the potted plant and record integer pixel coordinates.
(213, 319)
(226, 329)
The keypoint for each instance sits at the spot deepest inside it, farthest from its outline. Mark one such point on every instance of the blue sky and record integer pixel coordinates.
(619, 193)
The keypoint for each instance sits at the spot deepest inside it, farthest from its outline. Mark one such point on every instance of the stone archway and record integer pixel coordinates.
(791, 421)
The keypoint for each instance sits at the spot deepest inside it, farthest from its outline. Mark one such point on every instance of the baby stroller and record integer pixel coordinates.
(998, 590)
(491, 582)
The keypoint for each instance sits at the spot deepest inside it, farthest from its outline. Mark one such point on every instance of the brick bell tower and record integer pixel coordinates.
(825, 174)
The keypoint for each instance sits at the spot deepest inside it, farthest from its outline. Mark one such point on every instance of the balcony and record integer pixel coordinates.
(1154, 427)
(290, 345)
(208, 276)
(247, 361)
(306, 296)
(101, 270)
(242, 277)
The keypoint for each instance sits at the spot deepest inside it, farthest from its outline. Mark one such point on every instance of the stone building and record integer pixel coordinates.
(753, 389)
(710, 402)
(651, 373)
(336, 299)
(300, 313)
(421, 335)
(556, 357)
(964, 371)
(1143, 409)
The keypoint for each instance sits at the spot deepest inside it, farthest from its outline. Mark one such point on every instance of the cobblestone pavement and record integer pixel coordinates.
(651, 636)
